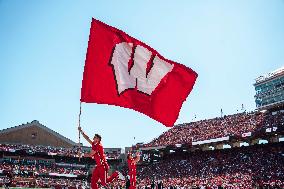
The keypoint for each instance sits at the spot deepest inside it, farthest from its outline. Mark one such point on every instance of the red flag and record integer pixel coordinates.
(123, 71)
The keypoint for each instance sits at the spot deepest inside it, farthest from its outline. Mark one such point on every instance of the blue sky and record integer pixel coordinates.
(43, 47)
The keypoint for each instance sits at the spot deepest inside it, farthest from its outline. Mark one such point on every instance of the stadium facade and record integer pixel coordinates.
(34, 133)
(270, 90)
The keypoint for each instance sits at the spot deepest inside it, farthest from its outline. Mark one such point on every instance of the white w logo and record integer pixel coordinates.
(146, 83)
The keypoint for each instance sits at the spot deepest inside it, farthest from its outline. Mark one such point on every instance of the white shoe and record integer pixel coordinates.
(120, 176)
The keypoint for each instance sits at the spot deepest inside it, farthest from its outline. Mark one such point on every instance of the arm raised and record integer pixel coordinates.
(85, 136)
(137, 158)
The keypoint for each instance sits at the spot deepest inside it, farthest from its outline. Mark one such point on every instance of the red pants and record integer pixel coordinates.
(100, 172)
(132, 180)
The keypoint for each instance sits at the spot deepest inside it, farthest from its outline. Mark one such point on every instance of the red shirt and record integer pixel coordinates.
(99, 155)
(131, 166)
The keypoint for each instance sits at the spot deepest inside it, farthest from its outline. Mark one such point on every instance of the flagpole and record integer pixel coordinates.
(134, 143)
(79, 134)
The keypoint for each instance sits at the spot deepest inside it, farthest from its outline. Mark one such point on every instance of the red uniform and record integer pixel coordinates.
(101, 169)
(132, 173)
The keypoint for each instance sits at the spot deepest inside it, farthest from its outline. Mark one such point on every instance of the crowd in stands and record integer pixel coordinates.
(231, 125)
(68, 152)
(41, 169)
(245, 167)
(56, 183)
(275, 120)
(256, 166)
(49, 150)
(32, 171)
(62, 183)
(29, 173)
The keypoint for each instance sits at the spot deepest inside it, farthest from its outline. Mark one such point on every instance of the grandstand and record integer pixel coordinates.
(231, 129)
(207, 153)
(37, 156)
(219, 158)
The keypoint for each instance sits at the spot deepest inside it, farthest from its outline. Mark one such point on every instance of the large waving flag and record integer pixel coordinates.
(123, 71)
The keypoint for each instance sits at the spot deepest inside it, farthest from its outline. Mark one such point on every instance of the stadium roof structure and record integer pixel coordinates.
(36, 134)
(271, 75)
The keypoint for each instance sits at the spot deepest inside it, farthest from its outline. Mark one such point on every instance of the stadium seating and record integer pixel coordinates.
(231, 125)
(256, 166)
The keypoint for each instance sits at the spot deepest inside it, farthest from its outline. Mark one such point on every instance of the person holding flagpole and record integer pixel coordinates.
(132, 161)
(100, 172)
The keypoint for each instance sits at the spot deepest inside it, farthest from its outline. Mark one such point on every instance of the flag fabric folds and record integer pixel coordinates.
(123, 71)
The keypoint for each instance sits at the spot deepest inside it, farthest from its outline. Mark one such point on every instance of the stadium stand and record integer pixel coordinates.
(231, 125)
(245, 167)
(182, 162)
